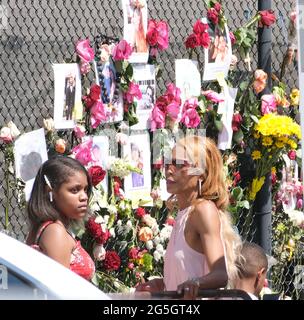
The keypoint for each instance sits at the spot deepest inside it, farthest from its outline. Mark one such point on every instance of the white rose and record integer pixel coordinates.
(155, 229)
(99, 219)
(106, 218)
(149, 244)
(156, 256)
(14, 130)
(148, 220)
(99, 252)
(112, 232)
(160, 248)
(157, 240)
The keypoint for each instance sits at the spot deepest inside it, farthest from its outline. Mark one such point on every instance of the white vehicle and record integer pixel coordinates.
(28, 274)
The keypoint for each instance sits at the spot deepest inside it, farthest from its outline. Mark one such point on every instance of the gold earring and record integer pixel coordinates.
(199, 188)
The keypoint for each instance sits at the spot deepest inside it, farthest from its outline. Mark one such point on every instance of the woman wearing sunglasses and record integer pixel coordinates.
(203, 246)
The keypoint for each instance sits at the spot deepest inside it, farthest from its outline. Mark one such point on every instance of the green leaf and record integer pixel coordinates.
(219, 125)
(238, 136)
(129, 71)
(237, 193)
(254, 118)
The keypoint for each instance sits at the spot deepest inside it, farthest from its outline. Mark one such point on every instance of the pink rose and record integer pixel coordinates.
(84, 50)
(158, 34)
(192, 41)
(173, 93)
(79, 131)
(204, 40)
(173, 110)
(236, 122)
(292, 155)
(97, 114)
(213, 16)
(163, 35)
(133, 92)
(269, 104)
(267, 18)
(213, 96)
(232, 38)
(158, 119)
(300, 204)
(191, 118)
(190, 103)
(200, 27)
(83, 152)
(152, 33)
(122, 51)
(5, 135)
(217, 6)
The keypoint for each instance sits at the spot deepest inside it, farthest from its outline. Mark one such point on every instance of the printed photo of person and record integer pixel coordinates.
(108, 83)
(137, 161)
(218, 48)
(135, 14)
(30, 164)
(69, 94)
(148, 98)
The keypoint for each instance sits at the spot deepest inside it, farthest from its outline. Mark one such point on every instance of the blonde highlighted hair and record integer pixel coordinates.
(204, 155)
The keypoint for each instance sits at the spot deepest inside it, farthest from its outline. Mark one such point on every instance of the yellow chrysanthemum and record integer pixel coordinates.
(267, 141)
(292, 144)
(280, 144)
(256, 155)
(273, 170)
(256, 135)
(295, 97)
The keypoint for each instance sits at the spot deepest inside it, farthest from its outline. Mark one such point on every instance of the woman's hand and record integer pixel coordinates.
(189, 288)
(155, 285)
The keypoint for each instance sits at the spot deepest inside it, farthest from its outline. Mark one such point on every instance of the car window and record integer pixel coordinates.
(15, 287)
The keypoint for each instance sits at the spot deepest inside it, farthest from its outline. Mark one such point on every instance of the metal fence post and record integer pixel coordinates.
(263, 202)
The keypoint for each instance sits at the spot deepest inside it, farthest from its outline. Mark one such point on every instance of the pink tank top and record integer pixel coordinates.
(81, 263)
(181, 262)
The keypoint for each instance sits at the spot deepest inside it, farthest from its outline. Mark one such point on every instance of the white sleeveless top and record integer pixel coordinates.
(181, 262)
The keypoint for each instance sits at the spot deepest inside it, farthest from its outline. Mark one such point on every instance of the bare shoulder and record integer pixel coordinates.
(55, 234)
(205, 215)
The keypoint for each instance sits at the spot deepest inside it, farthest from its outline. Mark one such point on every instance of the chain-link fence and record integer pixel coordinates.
(35, 34)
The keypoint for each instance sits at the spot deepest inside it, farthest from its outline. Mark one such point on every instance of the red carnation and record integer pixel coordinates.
(97, 174)
(94, 228)
(140, 212)
(192, 41)
(204, 40)
(267, 18)
(213, 16)
(95, 92)
(112, 261)
(88, 101)
(200, 27)
(103, 238)
(236, 122)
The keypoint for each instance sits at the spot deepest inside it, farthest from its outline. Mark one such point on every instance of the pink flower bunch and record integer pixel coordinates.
(158, 35)
(97, 114)
(269, 104)
(133, 92)
(167, 105)
(199, 37)
(84, 50)
(82, 152)
(213, 96)
(122, 51)
(190, 117)
(214, 13)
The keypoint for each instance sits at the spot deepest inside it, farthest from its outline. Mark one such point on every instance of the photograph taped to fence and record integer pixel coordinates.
(135, 15)
(187, 78)
(138, 186)
(67, 90)
(30, 153)
(218, 55)
(144, 76)
(111, 97)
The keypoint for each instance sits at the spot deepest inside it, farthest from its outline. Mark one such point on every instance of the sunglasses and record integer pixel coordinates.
(176, 163)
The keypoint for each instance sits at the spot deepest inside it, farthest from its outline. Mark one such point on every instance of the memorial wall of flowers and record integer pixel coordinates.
(120, 127)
